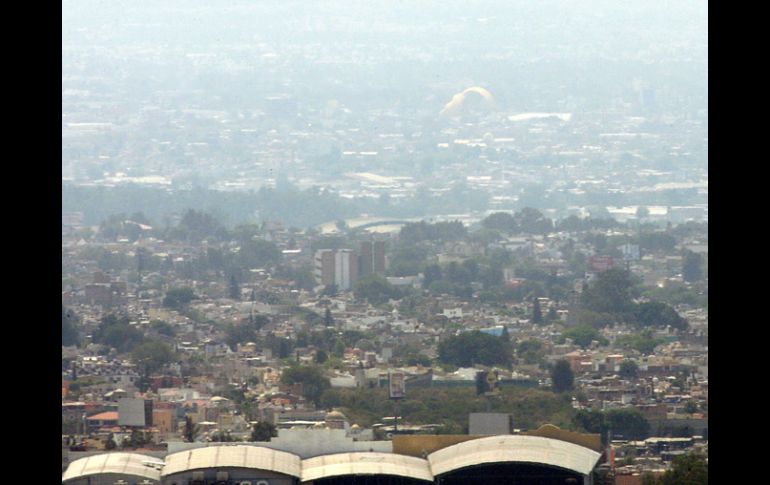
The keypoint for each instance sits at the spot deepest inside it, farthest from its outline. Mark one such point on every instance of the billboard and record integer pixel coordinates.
(600, 263)
(490, 424)
(396, 385)
(630, 252)
(134, 412)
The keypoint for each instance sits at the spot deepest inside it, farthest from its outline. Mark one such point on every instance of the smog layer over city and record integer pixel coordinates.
(384, 242)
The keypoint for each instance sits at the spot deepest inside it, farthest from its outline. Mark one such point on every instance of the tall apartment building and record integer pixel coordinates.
(324, 266)
(336, 266)
(371, 258)
(343, 267)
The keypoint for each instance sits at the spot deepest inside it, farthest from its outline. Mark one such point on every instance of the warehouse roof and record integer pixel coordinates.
(132, 464)
(365, 463)
(238, 456)
(514, 448)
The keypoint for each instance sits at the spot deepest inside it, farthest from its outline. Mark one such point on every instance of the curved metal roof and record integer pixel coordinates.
(239, 456)
(514, 448)
(120, 463)
(365, 463)
(458, 99)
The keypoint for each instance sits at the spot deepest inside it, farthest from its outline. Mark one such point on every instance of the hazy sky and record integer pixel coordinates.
(544, 51)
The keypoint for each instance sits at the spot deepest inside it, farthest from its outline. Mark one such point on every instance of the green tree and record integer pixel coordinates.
(491, 276)
(116, 331)
(190, 430)
(441, 287)
(690, 407)
(629, 369)
(537, 313)
(532, 221)
(163, 328)
(257, 254)
(642, 342)
(110, 444)
(552, 315)
(69, 331)
(407, 261)
(595, 319)
(562, 377)
(303, 277)
(431, 274)
(144, 261)
(441, 231)
(234, 289)
(222, 437)
(629, 423)
(239, 333)
(312, 378)
(308, 316)
(375, 289)
(321, 356)
(590, 421)
(471, 348)
(657, 242)
(178, 297)
(138, 438)
(583, 335)
(500, 221)
(657, 314)
(328, 320)
(689, 469)
(196, 226)
(152, 355)
(339, 348)
(626, 422)
(263, 431)
(531, 351)
(611, 292)
(692, 264)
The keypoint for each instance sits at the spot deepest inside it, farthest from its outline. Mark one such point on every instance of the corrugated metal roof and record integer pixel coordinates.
(514, 448)
(239, 456)
(365, 463)
(494, 449)
(120, 463)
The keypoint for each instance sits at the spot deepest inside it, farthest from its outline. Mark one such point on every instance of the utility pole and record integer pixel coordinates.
(395, 422)
(396, 391)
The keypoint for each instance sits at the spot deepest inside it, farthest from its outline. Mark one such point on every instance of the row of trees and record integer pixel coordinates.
(610, 299)
(525, 221)
(456, 278)
(628, 423)
(450, 406)
(293, 207)
(417, 232)
(687, 469)
(300, 208)
(376, 290)
(471, 348)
